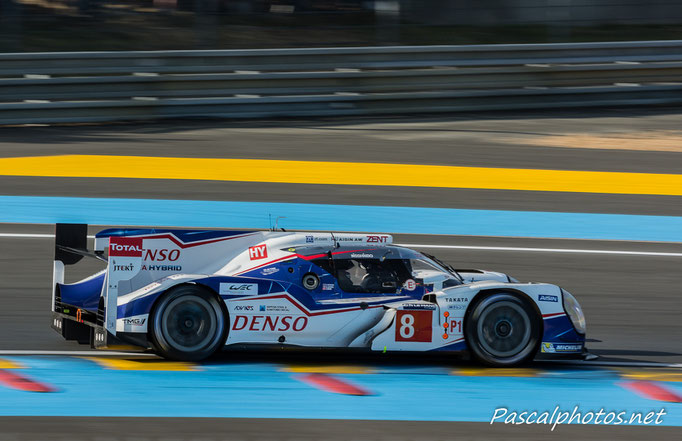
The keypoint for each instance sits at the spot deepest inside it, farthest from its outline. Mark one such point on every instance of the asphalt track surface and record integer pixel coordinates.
(632, 302)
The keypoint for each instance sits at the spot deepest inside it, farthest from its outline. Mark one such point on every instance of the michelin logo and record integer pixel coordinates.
(553, 348)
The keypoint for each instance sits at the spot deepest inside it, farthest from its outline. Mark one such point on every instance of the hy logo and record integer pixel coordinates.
(258, 252)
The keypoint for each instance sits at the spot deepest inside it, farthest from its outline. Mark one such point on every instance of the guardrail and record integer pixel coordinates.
(109, 86)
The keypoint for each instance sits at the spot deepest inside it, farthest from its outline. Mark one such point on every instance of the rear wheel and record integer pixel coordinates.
(187, 323)
(503, 330)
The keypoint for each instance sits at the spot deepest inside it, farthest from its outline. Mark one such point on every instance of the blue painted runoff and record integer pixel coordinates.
(265, 390)
(415, 220)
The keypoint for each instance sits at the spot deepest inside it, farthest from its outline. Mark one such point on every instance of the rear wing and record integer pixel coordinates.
(71, 243)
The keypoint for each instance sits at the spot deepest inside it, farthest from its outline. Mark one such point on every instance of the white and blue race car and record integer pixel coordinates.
(189, 293)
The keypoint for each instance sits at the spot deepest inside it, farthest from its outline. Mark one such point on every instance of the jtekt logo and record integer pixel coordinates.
(258, 252)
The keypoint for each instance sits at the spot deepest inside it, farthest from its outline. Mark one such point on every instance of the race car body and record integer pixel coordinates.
(188, 293)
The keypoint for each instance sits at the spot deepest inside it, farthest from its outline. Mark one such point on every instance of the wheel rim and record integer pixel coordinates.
(189, 323)
(504, 329)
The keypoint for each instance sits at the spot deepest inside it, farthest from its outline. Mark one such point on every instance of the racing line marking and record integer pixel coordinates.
(341, 173)
(14, 380)
(332, 384)
(325, 217)
(652, 391)
(454, 247)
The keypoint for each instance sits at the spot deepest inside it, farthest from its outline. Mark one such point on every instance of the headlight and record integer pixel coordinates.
(574, 311)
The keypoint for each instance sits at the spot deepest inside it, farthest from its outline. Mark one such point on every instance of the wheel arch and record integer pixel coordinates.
(484, 293)
(205, 288)
(488, 292)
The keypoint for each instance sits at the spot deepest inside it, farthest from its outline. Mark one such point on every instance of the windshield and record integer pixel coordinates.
(445, 266)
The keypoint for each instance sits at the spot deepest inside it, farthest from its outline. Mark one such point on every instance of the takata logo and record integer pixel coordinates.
(269, 323)
(258, 252)
(162, 255)
(125, 246)
(377, 239)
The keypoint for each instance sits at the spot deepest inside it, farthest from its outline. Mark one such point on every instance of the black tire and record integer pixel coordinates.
(503, 330)
(187, 323)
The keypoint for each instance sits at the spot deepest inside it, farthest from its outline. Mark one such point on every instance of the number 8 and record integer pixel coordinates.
(407, 326)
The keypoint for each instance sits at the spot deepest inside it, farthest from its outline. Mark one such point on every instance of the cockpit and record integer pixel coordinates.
(348, 272)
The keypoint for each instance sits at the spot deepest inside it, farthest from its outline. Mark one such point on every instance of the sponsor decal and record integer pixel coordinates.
(457, 307)
(377, 239)
(162, 255)
(349, 239)
(413, 326)
(274, 308)
(327, 287)
(309, 239)
(560, 347)
(125, 246)
(134, 321)
(455, 299)
(410, 285)
(268, 271)
(361, 256)
(243, 308)
(258, 252)
(269, 323)
(428, 306)
(129, 267)
(545, 298)
(451, 326)
(243, 289)
(162, 268)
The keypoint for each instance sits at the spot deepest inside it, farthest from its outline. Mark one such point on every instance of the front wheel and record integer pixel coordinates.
(503, 330)
(187, 323)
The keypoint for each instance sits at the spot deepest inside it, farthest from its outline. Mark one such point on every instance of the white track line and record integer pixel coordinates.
(606, 363)
(453, 247)
(32, 236)
(27, 236)
(76, 353)
(545, 250)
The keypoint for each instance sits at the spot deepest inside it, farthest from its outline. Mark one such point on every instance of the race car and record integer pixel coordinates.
(186, 294)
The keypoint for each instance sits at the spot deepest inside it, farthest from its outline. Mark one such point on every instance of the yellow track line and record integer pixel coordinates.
(328, 369)
(341, 173)
(9, 364)
(496, 372)
(143, 364)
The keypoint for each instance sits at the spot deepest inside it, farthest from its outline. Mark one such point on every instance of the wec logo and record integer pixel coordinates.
(239, 289)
